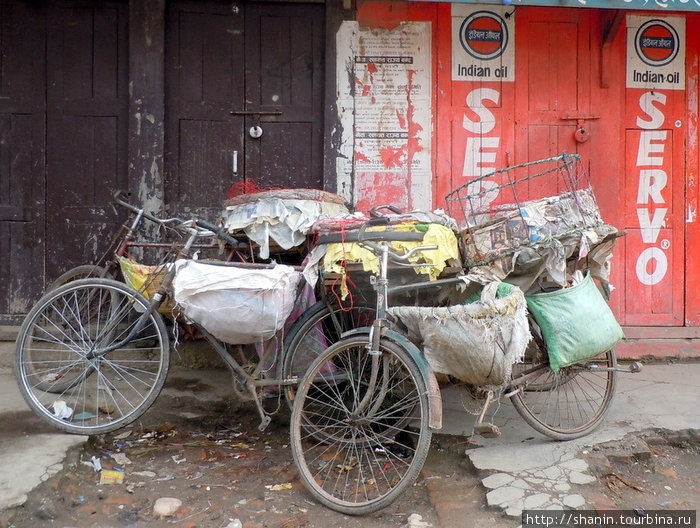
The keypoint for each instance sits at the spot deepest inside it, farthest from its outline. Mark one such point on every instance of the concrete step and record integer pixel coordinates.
(8, 334)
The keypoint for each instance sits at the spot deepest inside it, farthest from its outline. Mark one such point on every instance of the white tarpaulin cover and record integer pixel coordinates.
(236, 305)
(286, 221)
(477, 342)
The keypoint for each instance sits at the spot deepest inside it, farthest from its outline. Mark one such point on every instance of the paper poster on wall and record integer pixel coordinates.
(392, 120)
(483, 43)
(655, 52)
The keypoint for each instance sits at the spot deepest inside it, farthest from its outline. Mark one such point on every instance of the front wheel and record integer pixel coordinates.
(360, 431)
(68, 365)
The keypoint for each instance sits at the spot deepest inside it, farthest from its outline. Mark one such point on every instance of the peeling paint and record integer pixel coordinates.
(390, 116)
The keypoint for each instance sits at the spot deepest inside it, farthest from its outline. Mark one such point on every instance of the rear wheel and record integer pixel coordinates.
(68, 365)
(86, 271)
(566, 404)
(360, 434)
(320, 327)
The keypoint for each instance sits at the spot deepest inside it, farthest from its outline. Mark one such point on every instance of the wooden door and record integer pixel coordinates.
(553, 82)
(243, 100)
(87, 101)
(654, 207)
(284, 81)
(204, 75)
(22, 144)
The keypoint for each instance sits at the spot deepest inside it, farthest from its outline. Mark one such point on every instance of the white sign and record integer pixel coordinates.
(483, 43)
(652, 164)
(655, 52)
(387, 107)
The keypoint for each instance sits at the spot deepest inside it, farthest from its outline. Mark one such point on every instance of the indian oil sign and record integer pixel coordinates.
(482, 47)
(656, 53)
(656, 65)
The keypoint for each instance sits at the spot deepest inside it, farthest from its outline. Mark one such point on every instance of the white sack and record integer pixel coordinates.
(236, 305)
(476, 343)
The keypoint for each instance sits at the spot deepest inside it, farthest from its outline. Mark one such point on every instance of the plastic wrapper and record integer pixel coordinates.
(282, 220)
(236, 305)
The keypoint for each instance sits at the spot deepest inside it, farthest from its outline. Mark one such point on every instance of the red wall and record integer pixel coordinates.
(564, 67)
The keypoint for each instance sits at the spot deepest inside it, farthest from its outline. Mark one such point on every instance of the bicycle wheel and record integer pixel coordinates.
(360, 435)
(68, 365)
(316, 330)
(566, 404)
(85, 271)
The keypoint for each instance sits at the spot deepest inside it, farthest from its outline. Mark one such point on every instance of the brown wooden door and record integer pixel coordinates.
(284, 73)
(22, 136)
(87, 101)
(264, 63)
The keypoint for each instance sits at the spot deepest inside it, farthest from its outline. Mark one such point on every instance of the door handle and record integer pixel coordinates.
(234, 161)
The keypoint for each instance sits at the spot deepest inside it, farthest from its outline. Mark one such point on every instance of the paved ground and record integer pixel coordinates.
(465, 478)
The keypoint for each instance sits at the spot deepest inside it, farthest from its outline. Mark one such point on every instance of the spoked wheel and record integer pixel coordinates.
(68, 365)
(86, 271)
(320, 327)
(360, 434)
(566, 404)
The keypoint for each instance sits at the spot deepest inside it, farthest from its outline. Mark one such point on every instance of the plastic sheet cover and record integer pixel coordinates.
(236, 305)
(286, 221)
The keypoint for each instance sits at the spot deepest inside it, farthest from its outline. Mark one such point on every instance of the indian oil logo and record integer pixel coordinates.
(484, 35)
(656, 43)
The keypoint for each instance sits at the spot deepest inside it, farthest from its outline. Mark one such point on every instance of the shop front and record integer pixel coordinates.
(434, 94)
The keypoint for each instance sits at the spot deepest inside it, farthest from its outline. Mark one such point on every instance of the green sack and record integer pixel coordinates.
(576, 323)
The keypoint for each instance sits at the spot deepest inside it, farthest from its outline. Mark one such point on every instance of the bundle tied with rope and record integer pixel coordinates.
(477, 342)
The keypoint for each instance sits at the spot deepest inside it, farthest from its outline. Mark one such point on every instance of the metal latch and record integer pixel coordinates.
(581, 135)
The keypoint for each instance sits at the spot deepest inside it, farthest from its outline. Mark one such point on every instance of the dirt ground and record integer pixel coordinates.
(210, 456)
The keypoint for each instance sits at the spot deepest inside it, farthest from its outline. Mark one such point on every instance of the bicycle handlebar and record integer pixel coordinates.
(377, 249)
(380, 249)
(175, 222)
(218, 231)
(119, 200)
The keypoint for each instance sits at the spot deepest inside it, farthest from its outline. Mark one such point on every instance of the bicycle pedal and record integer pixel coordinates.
(487, 430)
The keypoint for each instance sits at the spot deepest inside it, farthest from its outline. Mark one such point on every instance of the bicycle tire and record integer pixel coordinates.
(568, 404)
(318, 328)
(57, 356)
(85, 271)
(367, 456)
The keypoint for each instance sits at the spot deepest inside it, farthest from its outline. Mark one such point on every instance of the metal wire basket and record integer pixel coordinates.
(523, 205)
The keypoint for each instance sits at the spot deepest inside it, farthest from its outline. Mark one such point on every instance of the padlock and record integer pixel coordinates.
(581, 135)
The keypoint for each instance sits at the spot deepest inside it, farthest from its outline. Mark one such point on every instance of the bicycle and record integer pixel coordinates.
(361, 430)
(108, 265)
(93, 354)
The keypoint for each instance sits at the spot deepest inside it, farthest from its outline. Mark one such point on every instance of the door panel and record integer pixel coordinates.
(264, 63)
(654, 208)
(204, 76)
(553, 65)
(284, 74)
(22, 144)
(87, 102)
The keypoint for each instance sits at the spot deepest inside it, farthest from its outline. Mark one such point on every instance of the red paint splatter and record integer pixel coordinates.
(359, 156)
(413, 144)
(402, 120)
(371, 67)
(365, 90)
(377, 188)
(391, 157)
